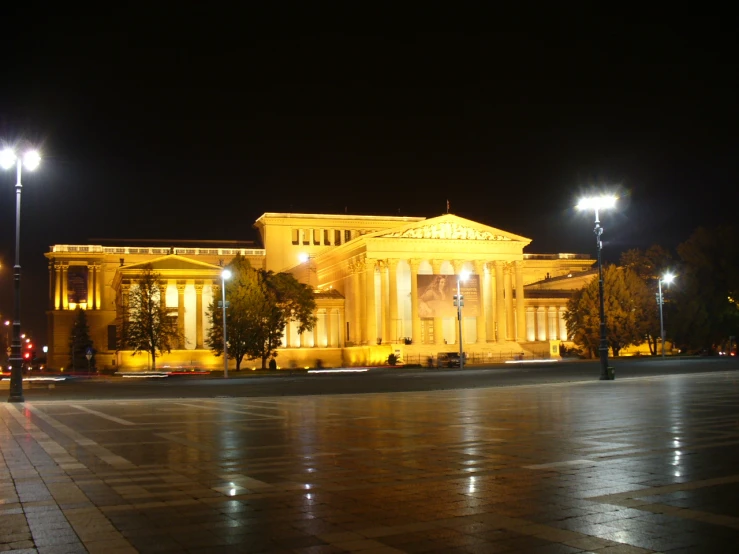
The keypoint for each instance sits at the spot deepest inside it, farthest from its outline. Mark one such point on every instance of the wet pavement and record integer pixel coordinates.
(636, 465)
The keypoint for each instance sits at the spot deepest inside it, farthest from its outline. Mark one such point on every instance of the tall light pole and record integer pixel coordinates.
(598, 203)
(30, 160)
(225, 274)
(459, 302)
(666, 278)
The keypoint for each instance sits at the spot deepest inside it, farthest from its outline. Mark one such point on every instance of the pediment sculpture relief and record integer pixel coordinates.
(447, 231)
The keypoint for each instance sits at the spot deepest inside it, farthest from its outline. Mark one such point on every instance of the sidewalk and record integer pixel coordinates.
(640, 465)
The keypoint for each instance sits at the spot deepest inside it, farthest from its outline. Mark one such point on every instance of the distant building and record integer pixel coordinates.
(383, 285)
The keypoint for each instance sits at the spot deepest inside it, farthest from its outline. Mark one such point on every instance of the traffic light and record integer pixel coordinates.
(461, 300)
(27, 356)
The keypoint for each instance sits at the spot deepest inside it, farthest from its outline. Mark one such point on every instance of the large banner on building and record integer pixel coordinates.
(436, 295)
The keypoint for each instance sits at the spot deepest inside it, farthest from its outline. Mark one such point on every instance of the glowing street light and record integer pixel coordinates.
(459, 302)
(225, 275)
(597, 203)
(666, 278)
(30, 160)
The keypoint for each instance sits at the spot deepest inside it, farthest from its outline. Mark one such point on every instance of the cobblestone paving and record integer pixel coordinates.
(629, 466)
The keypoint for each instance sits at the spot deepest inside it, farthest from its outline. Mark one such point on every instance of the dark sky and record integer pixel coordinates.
(190, 128)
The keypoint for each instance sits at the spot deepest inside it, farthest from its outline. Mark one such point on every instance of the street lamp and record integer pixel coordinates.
(666, 278)
(225, 274)
(459, 302)
(30, 160)
(597, 203)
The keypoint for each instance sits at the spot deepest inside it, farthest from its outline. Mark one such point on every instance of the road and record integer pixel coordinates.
(247, 384)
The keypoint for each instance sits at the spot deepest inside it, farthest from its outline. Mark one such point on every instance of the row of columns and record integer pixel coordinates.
(324, 326)
(181, 284)
(546, 323)
(59, 286)
(500, 288)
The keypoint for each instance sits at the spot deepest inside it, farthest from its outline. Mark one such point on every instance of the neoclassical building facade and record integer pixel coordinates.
(383, 285)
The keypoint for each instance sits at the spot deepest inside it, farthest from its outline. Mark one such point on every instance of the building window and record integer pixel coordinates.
(316, 236)
(296, 236)
(306, 237)
(347, 235)
(326, 237)
(337, 237)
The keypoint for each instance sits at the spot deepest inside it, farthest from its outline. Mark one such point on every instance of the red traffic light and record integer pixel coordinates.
(29, 345)
(27, 355)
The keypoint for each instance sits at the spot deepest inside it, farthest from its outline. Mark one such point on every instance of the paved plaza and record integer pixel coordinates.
(634, 465)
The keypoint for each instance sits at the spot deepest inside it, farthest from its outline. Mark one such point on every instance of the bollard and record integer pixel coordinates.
(611, 373)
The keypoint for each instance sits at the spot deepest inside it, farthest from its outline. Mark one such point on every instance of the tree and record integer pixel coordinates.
(625, 297)
(706, 309)
(649, 266)
(146, 323)
(79, 342)
(260, 304)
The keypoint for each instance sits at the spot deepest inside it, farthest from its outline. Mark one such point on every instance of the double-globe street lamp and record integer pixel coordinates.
(225, 275)
(459, 302)
(666, 278)
(30, 160)
(598, 203)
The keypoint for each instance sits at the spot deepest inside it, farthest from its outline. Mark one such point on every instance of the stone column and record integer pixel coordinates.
(316, 329)
(65, 287)
(181, 313)
(508, 279)
(354, 335)
(490, 301)
(520, 309)
(329, 329)
(99, 286)
(362, 301)
(57, 286)
(199, 315)
(371, 313)
(562, 323)
(439, 321)
(90, 286)
(500, 311)
(384, 303)
(416, 328)
(125, 290)
(392, 270)
(481, 335)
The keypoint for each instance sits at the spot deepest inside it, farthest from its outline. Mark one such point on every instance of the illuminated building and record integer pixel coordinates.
(382, 286)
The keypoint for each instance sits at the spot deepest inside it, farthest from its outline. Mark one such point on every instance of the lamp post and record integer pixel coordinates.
(667, 278)
(598, 203)
(459, 302)
(225, 274)
(30, 160)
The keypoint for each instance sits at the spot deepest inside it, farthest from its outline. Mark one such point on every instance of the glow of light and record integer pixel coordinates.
(339, 370)
(303, 257)
(31, 159)
(596, 202)
(668, 278)
(309, 496)
(555, 360)
(232, 492)
(307, 486)
(7, 158)
(471, 485)
(226, 274)
(463, 276)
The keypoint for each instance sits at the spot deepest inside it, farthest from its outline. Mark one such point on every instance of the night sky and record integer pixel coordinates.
(190, 129)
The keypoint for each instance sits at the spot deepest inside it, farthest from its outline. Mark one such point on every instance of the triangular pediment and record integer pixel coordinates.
(172, 262)
(450, 227)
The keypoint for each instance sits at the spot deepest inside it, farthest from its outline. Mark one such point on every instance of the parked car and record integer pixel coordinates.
(447, 359)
